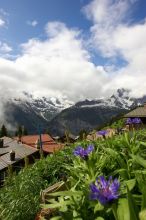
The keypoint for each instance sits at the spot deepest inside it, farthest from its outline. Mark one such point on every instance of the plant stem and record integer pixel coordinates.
(114, 209)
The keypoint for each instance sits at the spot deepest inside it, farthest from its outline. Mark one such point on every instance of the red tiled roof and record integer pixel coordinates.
(48, 144)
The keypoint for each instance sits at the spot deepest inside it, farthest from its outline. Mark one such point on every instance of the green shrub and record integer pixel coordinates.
(123, 158)
(20, 197)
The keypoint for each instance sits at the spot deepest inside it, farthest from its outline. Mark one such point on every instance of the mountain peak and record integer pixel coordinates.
(122, 92)
(28, 109)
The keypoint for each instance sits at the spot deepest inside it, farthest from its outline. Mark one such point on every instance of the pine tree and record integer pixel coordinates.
(19, 131)
(24, 131)
(3, 131)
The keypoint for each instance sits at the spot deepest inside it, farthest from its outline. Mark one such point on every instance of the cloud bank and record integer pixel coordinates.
(116, 38)
(62, 63)
(58, 65)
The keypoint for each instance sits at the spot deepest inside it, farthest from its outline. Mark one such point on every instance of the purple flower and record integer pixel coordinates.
(82, 152)
(128, 121)
(89, 149)
(79, 151)
(104, 190)
(136, 121)
(103, 132)
(133, 121)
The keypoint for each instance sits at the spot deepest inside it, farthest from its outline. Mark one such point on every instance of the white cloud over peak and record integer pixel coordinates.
(62, 65)
(58, 65)
(114, 37)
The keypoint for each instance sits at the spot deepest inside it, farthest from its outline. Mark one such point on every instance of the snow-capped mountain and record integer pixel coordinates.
(43, 106)
(30, 111)
(59, 114)
(121, 99)
(90, 114)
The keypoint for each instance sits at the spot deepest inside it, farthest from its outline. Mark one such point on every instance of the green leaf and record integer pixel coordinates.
(142, 187)
(99, 218)
(130, 183)
(42, 218)
(67, 193)
(132, 207)
(143, 205)
(139, 160)
(123, 209)
(98, 207)
(57, 205)
(142, 215)
(56, 218)
(76, 215)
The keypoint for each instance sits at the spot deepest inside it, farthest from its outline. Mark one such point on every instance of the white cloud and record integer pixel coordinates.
(62, 64)
(2, 22)
(54, 28)
(106, 12)
(106, 15)
(4, 48)
(58, 65)
(32, 23)
(114, 37)
(3, 18)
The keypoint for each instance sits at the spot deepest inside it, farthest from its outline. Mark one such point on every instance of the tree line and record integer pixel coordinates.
(20, 131)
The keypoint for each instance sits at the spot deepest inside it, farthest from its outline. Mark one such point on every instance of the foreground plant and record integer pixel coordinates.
(82, 152)
(133, 121)
(106, 191)
(103, 133)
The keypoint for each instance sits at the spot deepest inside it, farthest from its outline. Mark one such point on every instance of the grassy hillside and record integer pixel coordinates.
(106, 179)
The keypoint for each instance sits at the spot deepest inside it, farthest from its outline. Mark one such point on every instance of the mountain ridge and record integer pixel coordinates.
(61, 114)
(91, 114)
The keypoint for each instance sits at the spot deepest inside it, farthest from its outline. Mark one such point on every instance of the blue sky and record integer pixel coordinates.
(95, 44)
(19, 12)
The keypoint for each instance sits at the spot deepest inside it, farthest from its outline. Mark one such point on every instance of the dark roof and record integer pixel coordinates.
(21, 151)
(71, 136)
(49, 145)
(138, 112)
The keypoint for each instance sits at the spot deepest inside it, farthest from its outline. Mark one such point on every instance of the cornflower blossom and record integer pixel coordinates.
(133, 121)
(105, 191)
(103, 133)
(129, 121)
(82, 152)
(136, 121)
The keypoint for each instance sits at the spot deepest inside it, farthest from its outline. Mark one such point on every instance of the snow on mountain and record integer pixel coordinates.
(121, 99)
(46, 107)
(57, 114)
(93, 114)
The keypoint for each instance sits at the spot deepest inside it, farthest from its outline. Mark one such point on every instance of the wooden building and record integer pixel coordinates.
(139, 112)
(67, 139)
(13, 153)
